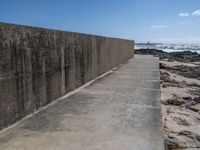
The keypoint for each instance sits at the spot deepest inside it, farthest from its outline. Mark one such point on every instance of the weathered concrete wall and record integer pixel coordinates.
(38, 65)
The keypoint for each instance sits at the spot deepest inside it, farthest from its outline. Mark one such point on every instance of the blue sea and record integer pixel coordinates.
(170, 47)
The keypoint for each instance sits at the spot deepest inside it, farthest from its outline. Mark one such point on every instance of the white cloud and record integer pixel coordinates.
(184, 14)
(196, 13)
(158, 27)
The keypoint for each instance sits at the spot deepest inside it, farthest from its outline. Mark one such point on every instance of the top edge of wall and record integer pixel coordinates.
(49, 29)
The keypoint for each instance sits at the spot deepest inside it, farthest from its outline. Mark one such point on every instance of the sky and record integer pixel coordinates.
(170, 21)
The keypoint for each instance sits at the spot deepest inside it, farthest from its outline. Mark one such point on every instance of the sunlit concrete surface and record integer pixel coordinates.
(120, 111)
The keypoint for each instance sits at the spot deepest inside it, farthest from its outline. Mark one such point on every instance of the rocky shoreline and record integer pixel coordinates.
(180, 97)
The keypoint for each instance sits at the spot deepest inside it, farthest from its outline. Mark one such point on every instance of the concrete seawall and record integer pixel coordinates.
(39, 65)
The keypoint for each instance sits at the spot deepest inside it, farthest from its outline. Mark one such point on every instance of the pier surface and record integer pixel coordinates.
(120, 111)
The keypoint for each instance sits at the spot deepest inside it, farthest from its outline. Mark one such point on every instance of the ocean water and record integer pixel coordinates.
(170, 47)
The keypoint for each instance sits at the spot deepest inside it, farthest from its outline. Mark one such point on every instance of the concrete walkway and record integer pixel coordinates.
(120, 111)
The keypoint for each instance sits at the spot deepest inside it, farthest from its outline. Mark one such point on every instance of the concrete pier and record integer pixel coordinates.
(40, 65)
(120, 111)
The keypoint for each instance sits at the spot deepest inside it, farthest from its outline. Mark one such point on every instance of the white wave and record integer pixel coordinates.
(171, 47)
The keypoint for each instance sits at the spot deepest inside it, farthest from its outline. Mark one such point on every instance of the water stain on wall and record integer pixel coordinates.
(39, 65)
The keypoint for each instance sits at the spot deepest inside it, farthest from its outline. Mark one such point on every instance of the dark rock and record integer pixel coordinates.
(167, 81)
(185, 71)
(149, 52)
(173, 144)
(190, 134)
(182, 56)
(193, 109)
(174, 101)
(181, 121)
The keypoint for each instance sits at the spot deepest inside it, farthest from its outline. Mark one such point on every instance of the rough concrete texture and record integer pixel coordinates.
(120, 111)
(38, 65)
